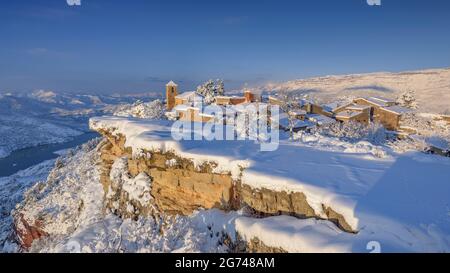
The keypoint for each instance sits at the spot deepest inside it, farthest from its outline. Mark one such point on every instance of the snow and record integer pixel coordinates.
(12, 189)
(438, 142)
(320, 119)
(138, 188)
(357, 107)
(47, 117)
(295, 235)
(381, 101)
(190, 95)
(19, 132)
(347, 114)
(431, 87)
(69, 201)
(397, 109)
(381, 194)
(392, 199)
(171, 83)
(331, 107)
(150, 110)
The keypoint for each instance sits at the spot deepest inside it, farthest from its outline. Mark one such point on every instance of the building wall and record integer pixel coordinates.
(274, 101)
(223, 100)
(389, 120)
(237, 100)
(181, 115)
(317, 109)
(171, 93)
(364, 117)
(249, 97)
(446, 118)
(179, 101)
(361, 101)
(194, 115)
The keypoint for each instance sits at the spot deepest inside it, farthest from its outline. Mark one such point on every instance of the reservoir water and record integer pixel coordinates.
(25, 158)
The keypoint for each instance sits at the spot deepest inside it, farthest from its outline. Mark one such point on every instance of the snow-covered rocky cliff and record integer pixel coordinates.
(139, 190)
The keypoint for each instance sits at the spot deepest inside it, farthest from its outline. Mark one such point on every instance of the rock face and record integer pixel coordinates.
(179, 187)
(152, 183)
(27, 232)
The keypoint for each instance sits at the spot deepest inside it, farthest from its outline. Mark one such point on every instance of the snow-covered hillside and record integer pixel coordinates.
(12, 189)
(431, 87)
(45, 117)
(398, 201)
(68, 199)
(18, 132)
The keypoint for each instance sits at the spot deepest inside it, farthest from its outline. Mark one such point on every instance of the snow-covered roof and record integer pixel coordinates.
(384, 100)
(171, 83)
(272, 97)
(304, 102)
(181, 107)
(191, 96)
(348, 114)
(186, 95)
(298, 112)
(379, 101)
(283, 120)
(223, 97)
(320, 119)
(357, 107)
(438, 142)
(206, 115)
(331, 107)
(397, 109)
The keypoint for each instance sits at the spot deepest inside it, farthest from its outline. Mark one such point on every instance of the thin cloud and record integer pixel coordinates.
(235, 20)
(38, 51)
(45, 52)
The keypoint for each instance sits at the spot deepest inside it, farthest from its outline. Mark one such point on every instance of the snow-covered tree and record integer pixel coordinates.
(408, 99)
(220, 88)
(353, 131)
(210, 89)
(150, 110)
(290, 102)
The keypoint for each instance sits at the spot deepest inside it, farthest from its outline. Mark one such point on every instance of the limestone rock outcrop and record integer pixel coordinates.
(180, 187)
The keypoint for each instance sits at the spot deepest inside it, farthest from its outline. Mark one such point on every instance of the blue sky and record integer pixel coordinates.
(106, 46)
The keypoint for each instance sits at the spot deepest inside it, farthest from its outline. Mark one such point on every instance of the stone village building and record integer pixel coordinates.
(364, 110)
(189, 106)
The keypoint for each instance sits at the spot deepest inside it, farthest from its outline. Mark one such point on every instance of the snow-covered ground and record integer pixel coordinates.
(12, 189)
(68, 197)
(398, 200)
(431, 87)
